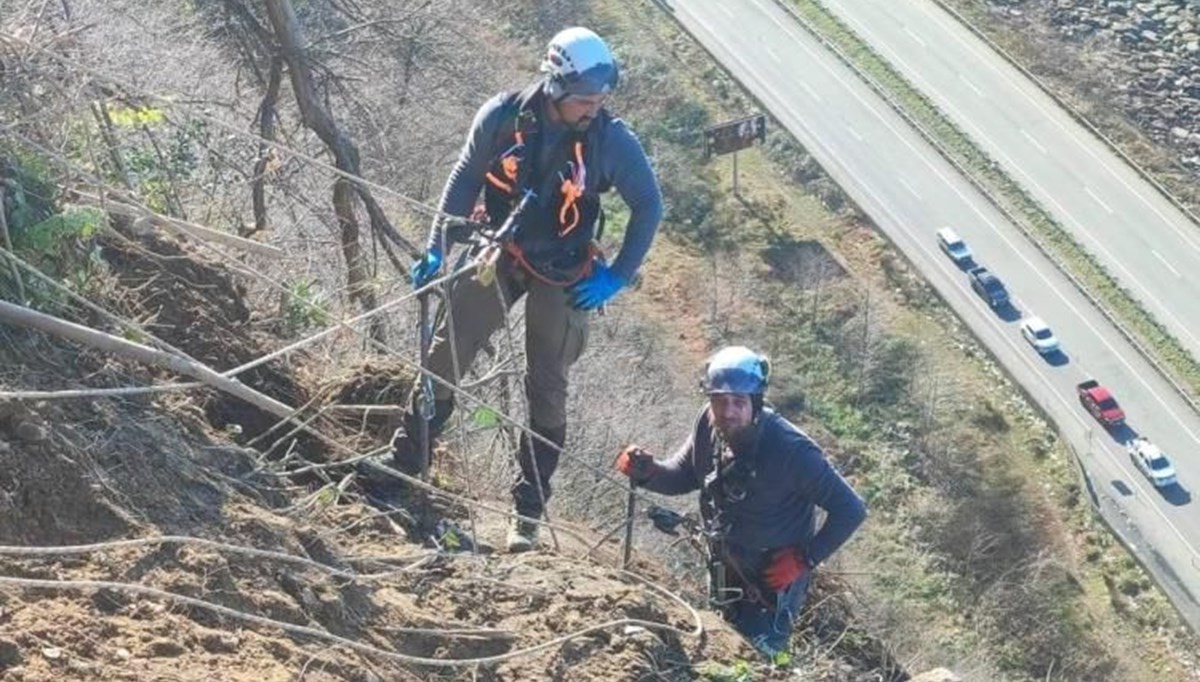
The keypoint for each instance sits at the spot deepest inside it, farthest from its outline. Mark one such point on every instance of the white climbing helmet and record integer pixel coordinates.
(736, 369)
(578, 62)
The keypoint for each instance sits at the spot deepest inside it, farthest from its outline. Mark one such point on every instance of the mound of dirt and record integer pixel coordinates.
(199, 307)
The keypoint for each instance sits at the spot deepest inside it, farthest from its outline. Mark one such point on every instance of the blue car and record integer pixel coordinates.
(988, 286)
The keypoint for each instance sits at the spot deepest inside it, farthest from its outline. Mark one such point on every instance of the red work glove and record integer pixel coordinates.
(787, 566)
(636, 463)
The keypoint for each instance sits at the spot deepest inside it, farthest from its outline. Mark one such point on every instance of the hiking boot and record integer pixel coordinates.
(522, 535)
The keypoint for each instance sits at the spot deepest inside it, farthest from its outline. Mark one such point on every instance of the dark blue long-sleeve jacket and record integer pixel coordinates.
(620, 163)
(790, 478)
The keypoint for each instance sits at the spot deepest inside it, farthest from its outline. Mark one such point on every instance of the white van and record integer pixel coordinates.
(953, 245)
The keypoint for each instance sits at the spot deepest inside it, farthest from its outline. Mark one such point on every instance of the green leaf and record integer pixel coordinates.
(485, 418)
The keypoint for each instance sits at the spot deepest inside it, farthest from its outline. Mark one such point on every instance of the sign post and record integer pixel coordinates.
(731, 136)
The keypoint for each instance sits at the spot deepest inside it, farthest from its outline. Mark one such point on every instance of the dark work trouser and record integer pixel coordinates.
(555, 337)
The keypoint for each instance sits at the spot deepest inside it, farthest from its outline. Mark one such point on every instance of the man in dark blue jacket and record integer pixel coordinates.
(554, 142)
(760, 480)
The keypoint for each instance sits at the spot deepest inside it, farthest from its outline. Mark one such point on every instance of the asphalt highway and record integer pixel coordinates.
(910, 191)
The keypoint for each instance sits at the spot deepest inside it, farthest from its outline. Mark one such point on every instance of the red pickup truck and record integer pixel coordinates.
(1100, 402)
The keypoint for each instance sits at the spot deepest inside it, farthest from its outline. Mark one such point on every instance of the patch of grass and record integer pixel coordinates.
(304, 307)
(738, 671)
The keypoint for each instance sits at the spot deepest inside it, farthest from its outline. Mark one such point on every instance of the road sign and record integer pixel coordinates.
(731, 136)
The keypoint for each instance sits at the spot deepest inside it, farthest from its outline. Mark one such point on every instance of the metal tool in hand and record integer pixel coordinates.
(425, 404)
(495, 241)
(630, 505)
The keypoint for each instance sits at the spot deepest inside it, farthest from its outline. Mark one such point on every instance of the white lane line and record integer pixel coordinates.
(1056, 207)
(766, 92)
(1164, 262)
(985, 57)
(1037, 145)
(854, 133)
(1164, 312)
(971, 85)
(811, 93)
(772, 55)
(911, 190)
(1098, 200)
(915, 37)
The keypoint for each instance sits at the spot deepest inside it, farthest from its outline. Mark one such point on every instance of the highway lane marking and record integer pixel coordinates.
(911, 190)
(1163, 311)
(811, 93)
(1049, 114)
(1097, 199)
(969, 84)
(1164, 262)
(848, 86)
(1032, 141)
(915, 37)
(854, 133)
(816, 143)
(772, 54)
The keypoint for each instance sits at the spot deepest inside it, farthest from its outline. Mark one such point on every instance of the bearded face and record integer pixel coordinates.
(732, 415)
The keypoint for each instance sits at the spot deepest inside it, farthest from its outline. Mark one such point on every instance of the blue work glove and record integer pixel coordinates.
(427, 268)
(596, 290)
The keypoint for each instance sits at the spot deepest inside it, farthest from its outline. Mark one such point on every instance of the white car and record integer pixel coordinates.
(1038, 334)
(1151, 461)
(949, 241)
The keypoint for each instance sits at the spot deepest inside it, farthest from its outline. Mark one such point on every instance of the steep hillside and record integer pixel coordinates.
(242, 571)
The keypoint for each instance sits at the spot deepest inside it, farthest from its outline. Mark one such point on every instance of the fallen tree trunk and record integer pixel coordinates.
(31, 319)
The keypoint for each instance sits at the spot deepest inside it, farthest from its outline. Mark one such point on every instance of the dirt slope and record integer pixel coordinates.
(101, 470)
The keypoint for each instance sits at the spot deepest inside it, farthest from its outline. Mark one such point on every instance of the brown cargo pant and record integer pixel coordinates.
(555, 337)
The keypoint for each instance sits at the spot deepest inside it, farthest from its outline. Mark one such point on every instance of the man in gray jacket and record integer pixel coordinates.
(760, 480)
(551, 150)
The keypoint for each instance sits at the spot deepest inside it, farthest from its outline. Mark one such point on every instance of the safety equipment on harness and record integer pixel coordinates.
(572, 188)
(787, 566)
(510, 165)
(736, 369)
(556, 241)
(500, 240)
(636, 463)
(594, 291)
(426, 268)
(578, 62)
